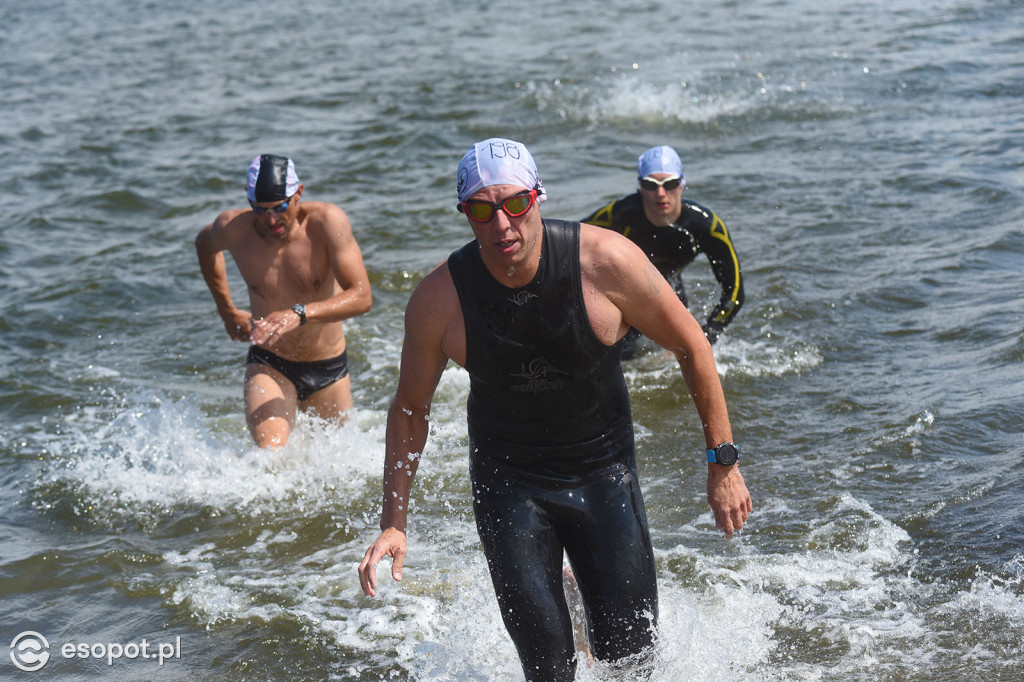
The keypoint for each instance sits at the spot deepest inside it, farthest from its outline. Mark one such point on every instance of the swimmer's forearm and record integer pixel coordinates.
(397, 484)
(727, 492)
(705, 388)
(215, 274)
(395, 503)
(349, 303)
(406, 436)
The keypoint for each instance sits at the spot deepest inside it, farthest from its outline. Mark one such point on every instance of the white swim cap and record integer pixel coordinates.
(661, 159)
(270, 178)
(498, 161)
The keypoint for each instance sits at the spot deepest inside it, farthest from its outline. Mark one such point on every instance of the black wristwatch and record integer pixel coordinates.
(725, 454)
(300, 310)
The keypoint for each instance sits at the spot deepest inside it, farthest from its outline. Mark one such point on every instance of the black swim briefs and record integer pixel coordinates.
(307, 377)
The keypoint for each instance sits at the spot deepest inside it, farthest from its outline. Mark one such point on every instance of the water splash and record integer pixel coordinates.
(157, 454)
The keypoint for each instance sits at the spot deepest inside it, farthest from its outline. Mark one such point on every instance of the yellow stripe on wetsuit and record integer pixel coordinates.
(719, 232)
(603, 218)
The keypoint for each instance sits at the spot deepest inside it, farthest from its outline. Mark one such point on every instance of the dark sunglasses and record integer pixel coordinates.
(652, 184)
(280, 208)
(514, 206)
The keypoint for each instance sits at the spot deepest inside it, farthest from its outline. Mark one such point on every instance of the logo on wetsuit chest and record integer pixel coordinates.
(522, 297)
(540, 376)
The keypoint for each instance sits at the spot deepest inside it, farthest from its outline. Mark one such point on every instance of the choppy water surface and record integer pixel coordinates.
(867, 158)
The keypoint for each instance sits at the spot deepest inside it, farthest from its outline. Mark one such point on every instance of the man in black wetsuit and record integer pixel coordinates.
(534, 310)
(672, 231)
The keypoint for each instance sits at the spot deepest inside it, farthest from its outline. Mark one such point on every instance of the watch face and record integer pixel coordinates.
(726, 454)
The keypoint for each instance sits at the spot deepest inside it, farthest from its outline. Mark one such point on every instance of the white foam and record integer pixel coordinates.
(634, 96)
(156, 454)
(760, 357)
(998, 597)
(660, 97)
(764, 357)
(850, 586)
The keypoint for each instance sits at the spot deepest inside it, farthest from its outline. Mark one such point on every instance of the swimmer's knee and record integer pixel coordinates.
(271, 433)
(271, 423)
(548, 668)
(627, 640)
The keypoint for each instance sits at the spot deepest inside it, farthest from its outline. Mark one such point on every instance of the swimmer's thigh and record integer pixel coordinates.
(331, 403)
(270, 404)
(524, 556)
(610, 549)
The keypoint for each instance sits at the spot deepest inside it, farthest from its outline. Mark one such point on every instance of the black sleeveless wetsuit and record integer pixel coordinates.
(672, 247)
(552, 461)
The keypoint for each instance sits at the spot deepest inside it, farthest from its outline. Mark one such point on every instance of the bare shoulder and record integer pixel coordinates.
(231, 218)
(323, 210)
(603, 242)
(612, 261)
(622, 287)
(433, 317)
(434, 294)
(326, 216)
(227, 228)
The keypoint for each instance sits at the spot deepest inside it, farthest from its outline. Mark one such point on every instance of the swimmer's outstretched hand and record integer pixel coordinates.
(390, 542)
(728, 497)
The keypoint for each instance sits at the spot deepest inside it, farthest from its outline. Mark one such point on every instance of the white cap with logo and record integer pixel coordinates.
(498, 161)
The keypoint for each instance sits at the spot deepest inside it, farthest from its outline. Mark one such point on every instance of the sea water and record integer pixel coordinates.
(866, 158)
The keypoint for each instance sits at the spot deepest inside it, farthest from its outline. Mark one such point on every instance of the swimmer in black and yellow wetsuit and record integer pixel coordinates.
(672, 231)
(534, 310)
